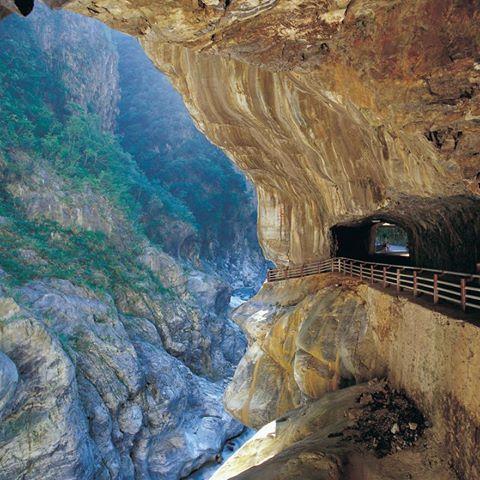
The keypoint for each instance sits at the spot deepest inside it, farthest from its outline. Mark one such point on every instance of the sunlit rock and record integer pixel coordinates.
(329, 331)
(326, 441)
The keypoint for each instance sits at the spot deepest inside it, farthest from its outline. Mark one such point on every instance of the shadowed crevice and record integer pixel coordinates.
(25, 6)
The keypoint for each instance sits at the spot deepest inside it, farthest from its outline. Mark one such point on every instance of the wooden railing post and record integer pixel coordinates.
(435, 288)
(415, 283)
(302, 270)
(361, 271)
(384, 277)
(463, 293)
(351, 269)
(371, 273)
(398, 280)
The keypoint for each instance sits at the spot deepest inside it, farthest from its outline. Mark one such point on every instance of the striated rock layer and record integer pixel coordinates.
(320, 156)
(335, 109)
(321, 333)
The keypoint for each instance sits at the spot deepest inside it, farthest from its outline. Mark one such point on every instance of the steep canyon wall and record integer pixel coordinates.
(335, 109)
(311, 336)
(339, 111)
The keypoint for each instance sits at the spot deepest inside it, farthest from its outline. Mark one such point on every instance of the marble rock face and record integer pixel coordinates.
(305, 340)
(335, 109)
(89, 393)
(308, 337)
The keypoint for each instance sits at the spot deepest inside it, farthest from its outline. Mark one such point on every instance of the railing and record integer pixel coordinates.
(461, 289)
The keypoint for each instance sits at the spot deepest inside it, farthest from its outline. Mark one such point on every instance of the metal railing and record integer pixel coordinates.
(461, 289)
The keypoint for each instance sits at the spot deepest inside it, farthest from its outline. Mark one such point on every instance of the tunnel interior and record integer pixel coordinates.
(373, 240)
(443, 234)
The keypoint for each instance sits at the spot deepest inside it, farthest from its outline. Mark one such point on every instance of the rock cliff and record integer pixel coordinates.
(335, 109)
(114, 353)
(97, 395)
(311, 336)
(66, 42)
(97, 384)
(338, 111)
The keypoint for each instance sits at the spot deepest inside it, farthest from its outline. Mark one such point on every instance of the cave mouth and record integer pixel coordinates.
(374, 240)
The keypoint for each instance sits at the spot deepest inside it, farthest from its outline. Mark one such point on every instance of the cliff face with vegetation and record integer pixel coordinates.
(335, 109)
(338, 111)
(221, 205)
(116, 340)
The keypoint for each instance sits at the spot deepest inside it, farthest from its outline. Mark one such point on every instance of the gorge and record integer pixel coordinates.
(116, 270)
(340, 112)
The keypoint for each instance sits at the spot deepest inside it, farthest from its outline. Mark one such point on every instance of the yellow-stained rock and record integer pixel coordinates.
(349, 332)
(311, 330)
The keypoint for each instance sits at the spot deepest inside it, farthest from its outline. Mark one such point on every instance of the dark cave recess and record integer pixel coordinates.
(442, 234)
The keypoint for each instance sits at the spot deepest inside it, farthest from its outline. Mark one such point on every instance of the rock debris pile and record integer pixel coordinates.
(388, 422)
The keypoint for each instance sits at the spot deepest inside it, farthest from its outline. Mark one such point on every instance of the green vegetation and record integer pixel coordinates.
(158, 132)
(30, 97)
(87, 258)
(35, 117)
(392, 235)
(157, 170)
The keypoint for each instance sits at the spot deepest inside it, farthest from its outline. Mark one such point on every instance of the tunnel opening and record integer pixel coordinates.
(390, 240)
(442, 234)
(374, 240)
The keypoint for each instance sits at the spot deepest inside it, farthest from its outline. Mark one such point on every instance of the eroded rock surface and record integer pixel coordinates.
(44, 433)
(304, 341)
(96, 395)
(324, 441)
(314, 335)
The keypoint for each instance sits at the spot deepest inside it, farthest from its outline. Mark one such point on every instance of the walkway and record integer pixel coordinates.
(461, 289)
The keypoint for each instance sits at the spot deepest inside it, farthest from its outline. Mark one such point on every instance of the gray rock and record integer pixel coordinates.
(8, 381)
(103, 387)
(212, 293)
(130, 419)
(44, 432)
